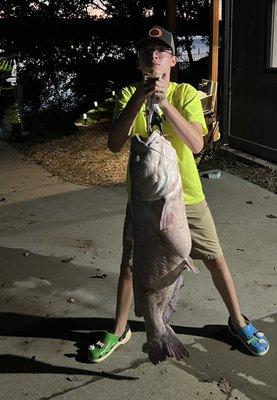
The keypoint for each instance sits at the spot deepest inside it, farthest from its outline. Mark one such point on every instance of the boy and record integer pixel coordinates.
(184, 125)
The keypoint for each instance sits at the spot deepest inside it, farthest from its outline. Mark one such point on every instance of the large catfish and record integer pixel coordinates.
(162, 241)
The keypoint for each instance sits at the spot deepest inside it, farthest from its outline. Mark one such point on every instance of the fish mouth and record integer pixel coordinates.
(147, 142)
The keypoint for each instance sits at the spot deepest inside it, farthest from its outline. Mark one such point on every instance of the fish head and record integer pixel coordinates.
(154, 167)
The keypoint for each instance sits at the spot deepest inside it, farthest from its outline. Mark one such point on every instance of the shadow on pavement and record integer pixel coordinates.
(74, 329)
(16, 364)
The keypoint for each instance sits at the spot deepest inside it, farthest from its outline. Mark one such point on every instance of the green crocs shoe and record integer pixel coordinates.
(104, 348)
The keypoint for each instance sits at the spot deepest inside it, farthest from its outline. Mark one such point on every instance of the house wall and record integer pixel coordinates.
(250, 89)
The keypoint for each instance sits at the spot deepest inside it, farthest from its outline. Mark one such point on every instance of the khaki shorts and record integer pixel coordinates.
(205, 243)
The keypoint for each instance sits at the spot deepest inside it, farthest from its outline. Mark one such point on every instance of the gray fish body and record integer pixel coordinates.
(162, 241)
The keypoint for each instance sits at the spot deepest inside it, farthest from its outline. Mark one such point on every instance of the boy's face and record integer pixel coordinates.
(156, 58)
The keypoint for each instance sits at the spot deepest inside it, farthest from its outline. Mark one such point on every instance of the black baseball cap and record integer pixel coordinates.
(158, 33)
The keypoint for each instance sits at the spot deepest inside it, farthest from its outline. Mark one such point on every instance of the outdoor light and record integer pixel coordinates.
(95, 104)
(113, 93)
(85, 118)
(12, 80)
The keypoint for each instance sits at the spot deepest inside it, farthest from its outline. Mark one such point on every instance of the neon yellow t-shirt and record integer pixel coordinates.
(185, 99)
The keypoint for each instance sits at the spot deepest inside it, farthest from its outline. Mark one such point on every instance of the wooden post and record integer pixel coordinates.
(171, 18)
(214, 44)
(171, 13)
(214, 49)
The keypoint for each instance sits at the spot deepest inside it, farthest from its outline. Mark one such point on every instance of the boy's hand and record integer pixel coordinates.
(154, 86)
(157, 87)
(160, 89)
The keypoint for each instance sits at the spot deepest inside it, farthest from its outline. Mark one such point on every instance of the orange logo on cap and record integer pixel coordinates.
(155, 32)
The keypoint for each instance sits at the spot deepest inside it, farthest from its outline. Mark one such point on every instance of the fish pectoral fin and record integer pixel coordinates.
(188, 265)
(168, 279)
(172, 275)
(167, 216)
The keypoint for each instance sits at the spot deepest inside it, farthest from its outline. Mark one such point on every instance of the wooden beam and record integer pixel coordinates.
(171, 21)
(171, 16)
(214, 43)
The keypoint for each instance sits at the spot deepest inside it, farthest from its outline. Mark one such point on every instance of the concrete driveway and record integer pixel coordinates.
(60, 247)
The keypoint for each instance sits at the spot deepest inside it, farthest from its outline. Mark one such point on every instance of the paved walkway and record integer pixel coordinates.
(59, 258)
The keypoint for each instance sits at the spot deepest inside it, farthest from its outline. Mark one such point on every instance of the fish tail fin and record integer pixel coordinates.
(166, 346)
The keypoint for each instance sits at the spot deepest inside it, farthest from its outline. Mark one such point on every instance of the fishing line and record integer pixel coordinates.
(157, 151)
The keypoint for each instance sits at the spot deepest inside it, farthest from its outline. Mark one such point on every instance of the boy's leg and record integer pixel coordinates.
(223, 281)
(125, 281)
(255, 341)
(124, 299)
(121, 332)
(206, 247)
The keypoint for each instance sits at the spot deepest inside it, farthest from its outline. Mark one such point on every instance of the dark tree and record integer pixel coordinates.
(71, 57)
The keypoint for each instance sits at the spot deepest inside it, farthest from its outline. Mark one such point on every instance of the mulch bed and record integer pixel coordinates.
(83, 158)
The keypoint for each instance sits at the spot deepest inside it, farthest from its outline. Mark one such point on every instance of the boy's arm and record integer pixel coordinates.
(123, 123)
(189, 132)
